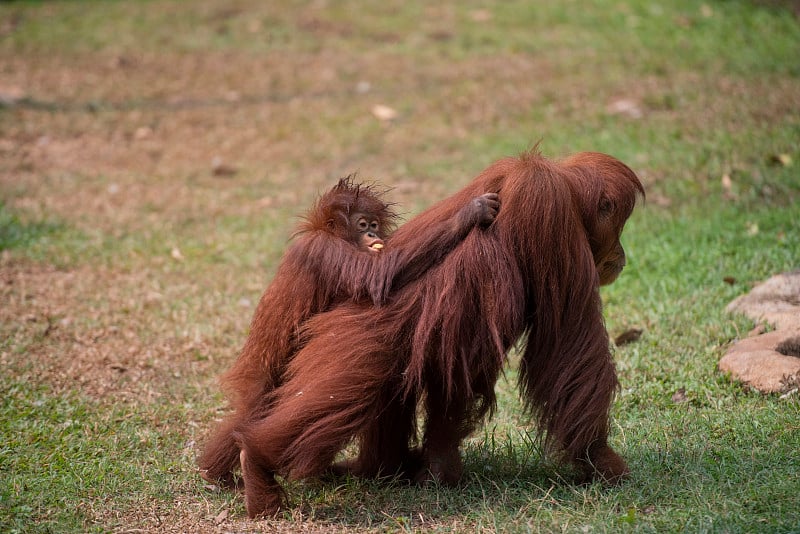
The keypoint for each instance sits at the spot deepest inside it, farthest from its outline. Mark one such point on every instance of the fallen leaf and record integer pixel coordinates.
(628, 336)
(683, 21)
(143, 132)
(265, 202)
(679, 396)
(440, 36)
(220, 168)
(727, 187)
(481, 15)
(384, 113)
(153, 296)
(625, 106)
(363, 87)
(780, 160)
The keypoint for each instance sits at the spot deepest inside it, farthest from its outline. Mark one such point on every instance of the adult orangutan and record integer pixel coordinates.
(443, 337)
(339, 254)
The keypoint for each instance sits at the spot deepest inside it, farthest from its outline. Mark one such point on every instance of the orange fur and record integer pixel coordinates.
(534, 275)
(324, 265)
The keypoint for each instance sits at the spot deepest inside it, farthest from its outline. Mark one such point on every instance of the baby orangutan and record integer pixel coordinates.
(343, 251)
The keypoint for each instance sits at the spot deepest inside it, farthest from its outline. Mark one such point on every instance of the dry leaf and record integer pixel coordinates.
(143, 132)
(781, 160)
(265, 202)
(363, 87)
(628, 336)
(220, 168)
(384, 113)
(727, 187)
(481, 15)
(625, 106)
(679, 396)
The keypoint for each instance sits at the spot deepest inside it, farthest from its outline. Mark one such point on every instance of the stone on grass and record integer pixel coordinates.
(769, 362)
(758, 362)
(776, 301)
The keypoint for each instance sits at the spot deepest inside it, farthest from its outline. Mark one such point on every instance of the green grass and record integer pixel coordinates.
(64, 455)
(111, 342)
(14, 233)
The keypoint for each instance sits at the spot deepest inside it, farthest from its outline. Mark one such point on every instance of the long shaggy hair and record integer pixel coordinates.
(323, 265)
(327, 263)
(534, 275)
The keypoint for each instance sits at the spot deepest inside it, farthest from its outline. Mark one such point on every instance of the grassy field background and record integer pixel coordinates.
(154, 156)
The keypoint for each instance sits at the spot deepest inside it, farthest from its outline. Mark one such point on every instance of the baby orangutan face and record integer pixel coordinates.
(367, 231)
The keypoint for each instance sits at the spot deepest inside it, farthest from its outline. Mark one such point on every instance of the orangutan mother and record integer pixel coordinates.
(534, 275)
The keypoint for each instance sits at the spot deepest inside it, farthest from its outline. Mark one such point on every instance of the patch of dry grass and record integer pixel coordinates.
(107, 333)
(173, 147)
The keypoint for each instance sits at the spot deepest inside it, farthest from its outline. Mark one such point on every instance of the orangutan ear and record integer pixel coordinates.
(606, 207)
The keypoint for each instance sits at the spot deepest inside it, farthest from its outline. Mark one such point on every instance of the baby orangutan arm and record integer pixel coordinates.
(411, 263)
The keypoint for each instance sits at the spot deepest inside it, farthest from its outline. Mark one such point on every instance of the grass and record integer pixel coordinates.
(129, 271)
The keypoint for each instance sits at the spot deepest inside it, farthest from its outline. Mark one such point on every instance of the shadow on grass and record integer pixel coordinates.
(503, 478)
(695, 485)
